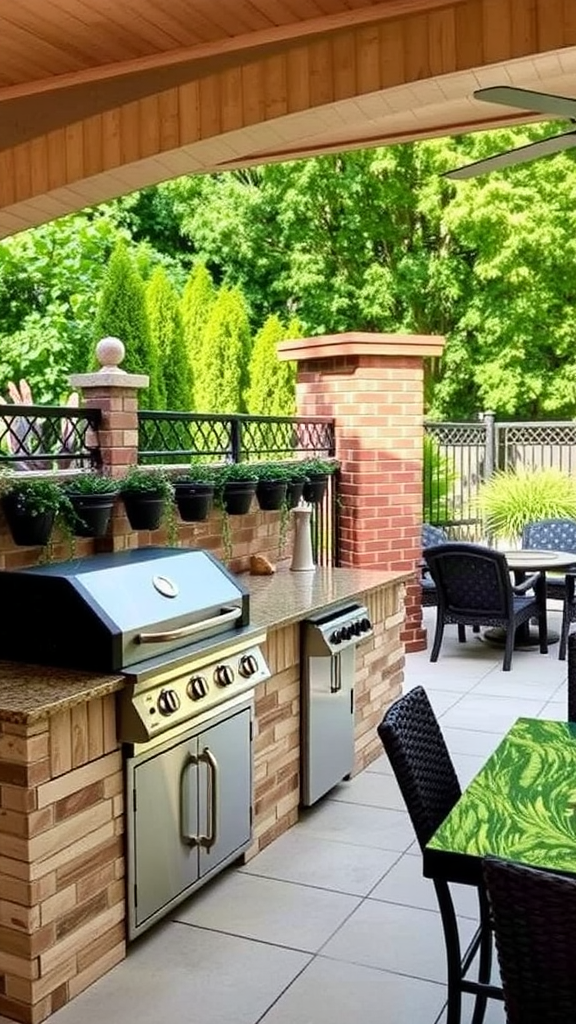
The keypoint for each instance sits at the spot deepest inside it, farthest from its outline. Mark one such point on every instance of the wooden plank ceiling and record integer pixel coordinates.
(98, 97)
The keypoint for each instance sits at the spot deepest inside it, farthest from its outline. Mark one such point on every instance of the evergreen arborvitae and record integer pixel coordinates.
(122, 314)
(174, 378)
(222, 370)
(197, 300)
(272, 388)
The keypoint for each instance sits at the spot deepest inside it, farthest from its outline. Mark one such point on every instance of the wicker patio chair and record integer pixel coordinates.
(556, 535)
(431, 536)
(534, 920)
(419, 757)
(474, 589)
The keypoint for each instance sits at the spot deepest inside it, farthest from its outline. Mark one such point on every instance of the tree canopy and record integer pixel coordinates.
(370, 240)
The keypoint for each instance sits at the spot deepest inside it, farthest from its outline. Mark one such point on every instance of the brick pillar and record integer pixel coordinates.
(115, 392)
(373, 387)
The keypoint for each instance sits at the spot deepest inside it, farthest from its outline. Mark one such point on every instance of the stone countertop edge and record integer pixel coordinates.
(287, 596)
(29, 693)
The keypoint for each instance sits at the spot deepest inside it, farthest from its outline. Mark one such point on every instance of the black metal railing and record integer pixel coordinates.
(465, 455)
(169, 437)
(39, 437)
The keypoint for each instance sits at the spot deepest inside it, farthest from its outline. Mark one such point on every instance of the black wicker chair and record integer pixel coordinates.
(474, 589)
(431, 536)
(556, 535)
(534, 920)
(413, 741)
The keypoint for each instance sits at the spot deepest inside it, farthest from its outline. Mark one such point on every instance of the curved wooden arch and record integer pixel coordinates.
(379, 73)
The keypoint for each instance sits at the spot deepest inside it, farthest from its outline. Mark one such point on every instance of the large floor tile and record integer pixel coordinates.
(468, 741)
(502, 684)
(404, 883)
(336, 993)
(296, 916)
(359, 825)
(340, 867)
(467, 766)
(372, 790)
(395, 938)
(442, 700)
(495, 1013)
(179, 974)
(492, 714)
(555, 710)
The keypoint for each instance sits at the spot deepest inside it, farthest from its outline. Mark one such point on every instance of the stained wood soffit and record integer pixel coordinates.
(35, 108)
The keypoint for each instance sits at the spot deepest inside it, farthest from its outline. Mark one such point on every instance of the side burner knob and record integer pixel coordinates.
(197, 687)
(168, 702)
(223, 675)
(248, 665)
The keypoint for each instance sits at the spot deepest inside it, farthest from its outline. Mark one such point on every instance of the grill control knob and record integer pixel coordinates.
(366, 625)
(335, 637)
(345, 633)
(223, 675)
(168, 702)
(197, 687)
(356, 628)
(248, 665)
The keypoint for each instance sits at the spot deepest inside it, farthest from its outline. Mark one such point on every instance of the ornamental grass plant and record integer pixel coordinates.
(513, 498)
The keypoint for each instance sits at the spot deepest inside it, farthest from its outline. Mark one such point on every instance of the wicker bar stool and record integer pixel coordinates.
(419, 757)
(534, 920)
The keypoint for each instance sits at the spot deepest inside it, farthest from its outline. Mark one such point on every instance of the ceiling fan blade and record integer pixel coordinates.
(522, 155)
(539, 102)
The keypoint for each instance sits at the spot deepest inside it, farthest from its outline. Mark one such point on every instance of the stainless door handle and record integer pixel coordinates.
(186, 837)
(211, 837)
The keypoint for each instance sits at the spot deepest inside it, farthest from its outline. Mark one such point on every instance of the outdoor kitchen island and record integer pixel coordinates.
(62, 865)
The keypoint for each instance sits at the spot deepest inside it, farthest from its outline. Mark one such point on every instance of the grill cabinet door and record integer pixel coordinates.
(229, 746)
(166, 798)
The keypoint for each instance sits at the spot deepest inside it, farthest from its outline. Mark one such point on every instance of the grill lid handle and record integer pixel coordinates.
(227, 615)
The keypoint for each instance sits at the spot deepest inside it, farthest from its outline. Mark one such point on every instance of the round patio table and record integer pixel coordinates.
(522, 562)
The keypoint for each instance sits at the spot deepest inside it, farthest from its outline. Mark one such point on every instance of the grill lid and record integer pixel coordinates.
(107, 612)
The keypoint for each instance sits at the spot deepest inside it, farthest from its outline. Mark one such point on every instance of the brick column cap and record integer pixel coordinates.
(361, 343)
(109, 378)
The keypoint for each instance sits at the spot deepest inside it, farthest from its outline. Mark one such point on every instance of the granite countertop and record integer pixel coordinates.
(29, 693)
(290, 596)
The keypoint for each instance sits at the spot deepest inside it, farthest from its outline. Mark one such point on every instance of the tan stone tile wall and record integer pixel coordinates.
(61, 858)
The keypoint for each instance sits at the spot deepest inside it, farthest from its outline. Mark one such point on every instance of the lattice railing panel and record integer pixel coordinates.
(49, 437)
(179, 437)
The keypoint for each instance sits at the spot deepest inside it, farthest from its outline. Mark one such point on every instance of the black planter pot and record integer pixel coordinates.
(315, 488)
(271, 494)
(27, 529)
(294, 492)
(144, 509)
(237, 496)
(194, 500)
(93, 513)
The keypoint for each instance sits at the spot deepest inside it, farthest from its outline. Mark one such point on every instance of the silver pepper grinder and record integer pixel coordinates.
(302, 557)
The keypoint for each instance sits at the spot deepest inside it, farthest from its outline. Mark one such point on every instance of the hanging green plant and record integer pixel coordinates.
(33, 508)
(148, 497)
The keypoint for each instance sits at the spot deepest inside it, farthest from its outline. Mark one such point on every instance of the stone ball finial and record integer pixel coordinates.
(109, 353)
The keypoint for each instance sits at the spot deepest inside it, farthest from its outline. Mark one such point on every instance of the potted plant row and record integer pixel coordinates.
(33, 507)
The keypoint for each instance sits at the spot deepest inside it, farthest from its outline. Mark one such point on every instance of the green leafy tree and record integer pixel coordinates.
(122, 314)
(49, 281)
(174, 379)
(197, 301)
(222, 375)
(272, 388)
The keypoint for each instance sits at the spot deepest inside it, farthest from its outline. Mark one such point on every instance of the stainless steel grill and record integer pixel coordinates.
(176, 624)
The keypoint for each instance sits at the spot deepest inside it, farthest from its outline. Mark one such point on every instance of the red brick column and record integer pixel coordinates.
(115, 392)
(373, 387)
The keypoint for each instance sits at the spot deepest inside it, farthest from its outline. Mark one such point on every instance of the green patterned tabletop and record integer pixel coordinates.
(521, 806)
